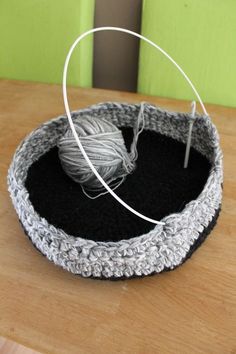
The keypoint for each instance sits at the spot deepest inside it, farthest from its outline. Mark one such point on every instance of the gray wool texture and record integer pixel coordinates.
(104, 144)
(163, 247)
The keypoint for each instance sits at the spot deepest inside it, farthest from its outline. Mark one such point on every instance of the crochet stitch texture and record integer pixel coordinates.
(164, 247)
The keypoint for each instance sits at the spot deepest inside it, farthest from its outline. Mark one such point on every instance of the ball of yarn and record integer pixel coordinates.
(104, 144)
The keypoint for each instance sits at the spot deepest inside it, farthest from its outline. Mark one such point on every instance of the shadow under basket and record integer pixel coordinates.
(101, 239)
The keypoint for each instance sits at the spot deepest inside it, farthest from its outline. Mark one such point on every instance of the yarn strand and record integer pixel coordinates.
(137, 132)
(104, 143)
(129, 166)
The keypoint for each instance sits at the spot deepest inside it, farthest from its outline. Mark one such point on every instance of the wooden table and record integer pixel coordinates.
(190, 310)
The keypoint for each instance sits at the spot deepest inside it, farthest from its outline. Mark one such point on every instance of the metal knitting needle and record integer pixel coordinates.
(188, 146)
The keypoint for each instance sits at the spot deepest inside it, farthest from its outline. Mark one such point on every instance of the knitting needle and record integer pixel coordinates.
(191, 121)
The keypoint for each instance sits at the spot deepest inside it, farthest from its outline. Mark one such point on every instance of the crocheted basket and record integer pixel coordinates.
(164, 246)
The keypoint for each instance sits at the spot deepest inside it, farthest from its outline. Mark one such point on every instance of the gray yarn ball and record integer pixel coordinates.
(104, 144)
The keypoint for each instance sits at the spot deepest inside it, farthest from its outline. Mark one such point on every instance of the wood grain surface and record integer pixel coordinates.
(9, 347)
(190, 310)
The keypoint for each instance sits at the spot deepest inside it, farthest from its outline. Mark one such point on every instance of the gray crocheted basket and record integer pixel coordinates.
(163, 248)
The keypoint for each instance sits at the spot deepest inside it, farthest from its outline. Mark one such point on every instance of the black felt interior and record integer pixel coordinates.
(159, 186)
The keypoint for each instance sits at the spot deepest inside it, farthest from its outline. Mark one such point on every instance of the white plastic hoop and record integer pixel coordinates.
(119, 29)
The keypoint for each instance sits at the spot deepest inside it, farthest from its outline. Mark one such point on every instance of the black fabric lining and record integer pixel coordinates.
(158, 187)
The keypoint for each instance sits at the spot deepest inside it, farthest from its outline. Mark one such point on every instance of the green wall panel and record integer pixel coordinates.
(35, 36)
(201, 36)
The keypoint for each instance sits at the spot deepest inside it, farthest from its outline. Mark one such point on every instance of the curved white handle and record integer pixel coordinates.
(99, 29)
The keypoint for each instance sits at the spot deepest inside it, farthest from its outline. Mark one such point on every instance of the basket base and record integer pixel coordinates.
(158, 187)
